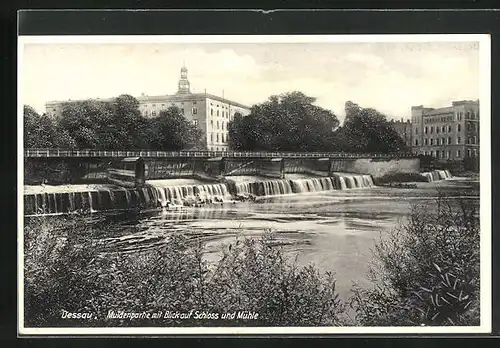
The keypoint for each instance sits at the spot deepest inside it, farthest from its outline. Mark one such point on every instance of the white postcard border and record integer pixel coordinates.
(485, 179)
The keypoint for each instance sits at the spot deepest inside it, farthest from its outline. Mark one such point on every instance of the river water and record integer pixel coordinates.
(335, 230)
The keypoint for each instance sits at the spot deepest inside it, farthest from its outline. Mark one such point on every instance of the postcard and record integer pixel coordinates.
(290, 184)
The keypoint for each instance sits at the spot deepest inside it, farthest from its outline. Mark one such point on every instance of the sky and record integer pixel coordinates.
(390, 76)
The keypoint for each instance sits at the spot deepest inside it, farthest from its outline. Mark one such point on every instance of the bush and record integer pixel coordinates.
(400, 177)
(65, 271)
(427, 271)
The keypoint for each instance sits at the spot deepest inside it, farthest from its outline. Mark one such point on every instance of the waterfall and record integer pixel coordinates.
(436, 175)
(161, 195)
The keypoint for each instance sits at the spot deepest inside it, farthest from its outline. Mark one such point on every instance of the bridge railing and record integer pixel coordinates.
(203, 154)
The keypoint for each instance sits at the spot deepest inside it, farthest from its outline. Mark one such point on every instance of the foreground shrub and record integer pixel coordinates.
(427, 271)
(66, 271)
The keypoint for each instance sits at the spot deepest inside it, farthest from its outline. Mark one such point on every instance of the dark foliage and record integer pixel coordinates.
(66, 269)
(368, 131)
(116, 125)
(427, 271)
(288, 122)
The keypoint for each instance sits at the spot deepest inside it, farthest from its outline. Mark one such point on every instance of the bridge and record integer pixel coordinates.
(84, 165)
(62, 153)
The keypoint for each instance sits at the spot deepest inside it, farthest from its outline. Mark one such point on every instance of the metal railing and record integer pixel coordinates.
(204, 154)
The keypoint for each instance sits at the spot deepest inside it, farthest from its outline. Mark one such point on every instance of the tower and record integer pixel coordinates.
(183, 82)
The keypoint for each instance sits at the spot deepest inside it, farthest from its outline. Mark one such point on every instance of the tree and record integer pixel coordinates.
(171, 131)
(367, 130)
(288, 122)
(105, 125)
(39, 130)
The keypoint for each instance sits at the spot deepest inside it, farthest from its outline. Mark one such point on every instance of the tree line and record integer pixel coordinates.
(291, 122)
(117, 125)
(286, 122)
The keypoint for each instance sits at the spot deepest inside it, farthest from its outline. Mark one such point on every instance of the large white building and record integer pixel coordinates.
(209, 112)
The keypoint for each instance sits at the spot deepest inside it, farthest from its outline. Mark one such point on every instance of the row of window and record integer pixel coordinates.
(223, 106)
(459, 115)
(444, 141)
(218, 125)
(447, 154)
(471, 126)
(163, 104)
(438, 119)
(224, 114)
(219, 138)
(194, 111)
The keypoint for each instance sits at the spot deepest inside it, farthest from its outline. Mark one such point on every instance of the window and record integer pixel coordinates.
(195, 122)
(449, 140)
(442, 154)
(449, 129)
(217, 124)
(459, 154)
(432, 141)
(153, 113)
(475, 152)
(448, 154)
(443, 129)
(416, 142)
(437, 130)
(217, 112)
(212, 123)
(459, 127)
(194, 110)
(468, 126)
(432, 153)
(222, 125)
(211, 137)
(211, 112)
(459, 140)
(426, 141)
(416, 130)
(425, 130)
(432, 130)
(474, 139)
(217, 137)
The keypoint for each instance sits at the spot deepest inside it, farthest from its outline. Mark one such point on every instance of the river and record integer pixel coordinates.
(335, 230)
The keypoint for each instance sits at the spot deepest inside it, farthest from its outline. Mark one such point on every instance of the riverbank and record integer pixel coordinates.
(176, 269)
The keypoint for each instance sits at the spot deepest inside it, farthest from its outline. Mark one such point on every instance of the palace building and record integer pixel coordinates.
(448, 133)
(209, 112)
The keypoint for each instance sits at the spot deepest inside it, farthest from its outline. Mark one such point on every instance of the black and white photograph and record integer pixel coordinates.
(254, 184)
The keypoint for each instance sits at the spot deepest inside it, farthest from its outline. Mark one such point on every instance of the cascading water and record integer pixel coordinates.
(436, 175)
(153, 196)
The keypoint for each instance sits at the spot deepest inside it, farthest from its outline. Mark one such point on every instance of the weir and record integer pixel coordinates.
(436, 175)
(161, 193)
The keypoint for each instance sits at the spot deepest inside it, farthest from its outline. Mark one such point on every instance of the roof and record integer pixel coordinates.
(162, 98)
(439, 111)
(187, 97)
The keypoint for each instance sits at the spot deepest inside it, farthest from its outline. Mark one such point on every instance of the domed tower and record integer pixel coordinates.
(184, 82)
